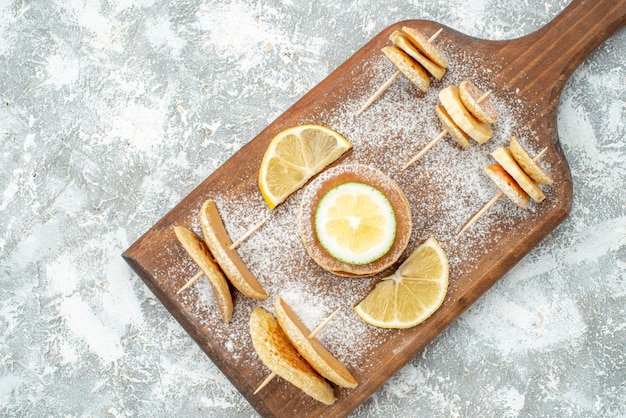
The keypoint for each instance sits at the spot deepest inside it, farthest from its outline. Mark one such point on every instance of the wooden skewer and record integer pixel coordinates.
(438, 137)
(248, 233)
(389, 82)
(311, 335)
(379, 92)
(191, 281)
(232, 246)
(323, 324)
(481, 212)
(265, 382)
(484, 96)
(489, 204)
(426, 148)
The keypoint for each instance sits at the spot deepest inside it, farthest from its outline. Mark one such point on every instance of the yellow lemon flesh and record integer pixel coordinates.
(412, 294)
(294, 156)
(355, 223)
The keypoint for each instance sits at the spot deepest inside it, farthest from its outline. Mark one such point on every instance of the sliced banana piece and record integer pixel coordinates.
(453, 129)
(411, 70)
(475, 129)
(430, 50)
(507, 185)
(201, 256)
(527, 164)
(402, 41)
(310, 348)
(218, 241)
(281, 357)
(504, 157)
(483, 109)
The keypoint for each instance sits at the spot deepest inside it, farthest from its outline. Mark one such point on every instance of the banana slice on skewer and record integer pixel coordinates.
(453, 129)
(220, 249)
(411, 70)
(458, 120)
(411, 53)
(310, 348)
(507, 178)
(529, 165)
(475, 129)
(507, 184)
(426, 46)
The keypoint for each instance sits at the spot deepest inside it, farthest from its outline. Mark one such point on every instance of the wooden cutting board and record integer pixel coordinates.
(445, 188)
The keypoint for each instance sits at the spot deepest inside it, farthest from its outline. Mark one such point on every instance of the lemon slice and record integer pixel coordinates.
(294, 156)
(410, 295)
(355, 223)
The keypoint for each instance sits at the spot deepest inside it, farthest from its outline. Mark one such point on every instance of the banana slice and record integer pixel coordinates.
(201, 256)
(503, 156)
(411, 70)
(475, 129)
(402, 41)
(218, 241)
(430, 50)
(527, 164)
(310, 348)
(452, 128)
(281, 357)
(483, 110)
(507, 184)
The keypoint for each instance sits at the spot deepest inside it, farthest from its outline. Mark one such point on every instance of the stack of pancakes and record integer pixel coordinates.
(362, 174)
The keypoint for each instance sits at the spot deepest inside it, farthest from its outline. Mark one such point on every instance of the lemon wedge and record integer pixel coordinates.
(412, 294)
(294, 156)
(355, 223)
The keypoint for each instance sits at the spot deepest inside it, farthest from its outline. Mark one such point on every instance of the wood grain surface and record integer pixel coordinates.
(530, 72)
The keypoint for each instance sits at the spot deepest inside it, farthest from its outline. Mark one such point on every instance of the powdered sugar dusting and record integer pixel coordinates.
(114, 111)
(394, 128)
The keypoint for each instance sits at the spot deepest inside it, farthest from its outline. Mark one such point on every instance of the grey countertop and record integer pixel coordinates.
(113, 111)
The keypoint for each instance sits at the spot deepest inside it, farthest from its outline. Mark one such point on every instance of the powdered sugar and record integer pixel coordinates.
(444, 188)
(82, 179)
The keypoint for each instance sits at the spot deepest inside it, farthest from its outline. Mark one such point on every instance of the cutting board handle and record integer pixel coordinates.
(550, 55)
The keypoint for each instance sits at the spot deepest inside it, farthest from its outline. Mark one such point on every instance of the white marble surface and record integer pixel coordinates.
(112, 111)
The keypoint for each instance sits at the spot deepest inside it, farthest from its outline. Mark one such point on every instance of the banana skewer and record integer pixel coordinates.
(516, 193)
(455, 111)
(310, 336)
(411, 53)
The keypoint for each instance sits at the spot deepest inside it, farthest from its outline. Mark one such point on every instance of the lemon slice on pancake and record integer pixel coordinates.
(355, 223)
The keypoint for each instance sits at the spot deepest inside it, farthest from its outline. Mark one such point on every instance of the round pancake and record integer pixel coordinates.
(484, 110)
(507, 184)
(344, 174)
(409, 67)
